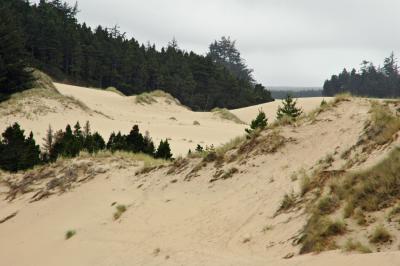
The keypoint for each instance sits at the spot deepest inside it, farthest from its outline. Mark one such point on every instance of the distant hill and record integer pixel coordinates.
(297, 92)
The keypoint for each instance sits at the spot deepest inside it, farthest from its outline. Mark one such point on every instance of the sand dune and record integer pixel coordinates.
(110, 112)
(175, 220)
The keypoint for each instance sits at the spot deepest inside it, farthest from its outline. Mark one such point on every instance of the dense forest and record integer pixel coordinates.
(370, 81)
(56, 43)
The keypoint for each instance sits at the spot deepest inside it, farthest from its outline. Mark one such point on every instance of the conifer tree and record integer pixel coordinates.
(148, 147)
(18, 152)
(289, 109)
(260, 122)
(14, 75)
(163, 150)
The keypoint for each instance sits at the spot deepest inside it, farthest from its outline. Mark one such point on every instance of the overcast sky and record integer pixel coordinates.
(286, 42)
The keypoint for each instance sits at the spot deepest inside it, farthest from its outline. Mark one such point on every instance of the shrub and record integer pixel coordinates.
(289, 109)
(259, 123)
(196, 123)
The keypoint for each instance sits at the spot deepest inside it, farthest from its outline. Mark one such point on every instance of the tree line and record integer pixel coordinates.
(18, 152)
(52, 40)
(369, 81)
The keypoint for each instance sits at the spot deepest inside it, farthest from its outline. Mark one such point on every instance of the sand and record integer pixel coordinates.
(172, 221)
(111, 112)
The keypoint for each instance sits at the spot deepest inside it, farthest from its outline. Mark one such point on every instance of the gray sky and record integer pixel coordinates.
(286, 42)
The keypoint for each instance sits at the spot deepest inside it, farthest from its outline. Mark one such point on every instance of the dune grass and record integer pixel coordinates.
(42, 88)
(380, 235)
(115, 90)
(374, 188)
(147, 98)
(225, 114)
(357, 246)
(384, 124)
(69, 234)
(318, 233)
(120, 209)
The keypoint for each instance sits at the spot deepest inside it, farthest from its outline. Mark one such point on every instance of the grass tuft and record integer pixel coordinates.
(69, 234)
(355, 246)
(380, 235)
(120, 210)
(224, 113)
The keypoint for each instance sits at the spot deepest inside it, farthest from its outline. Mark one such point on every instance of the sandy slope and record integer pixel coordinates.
(171, 221)
(247, 114)
(111, 112)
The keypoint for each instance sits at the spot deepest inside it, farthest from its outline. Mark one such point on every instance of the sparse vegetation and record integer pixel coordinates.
(258, 124)
(318, 233)
(114, 90)
(328, 204)
(288, 109)
(224, 113)
(355, 246)
(150, 97)
(384, 124)
(380, 235)
(120, 209)
(374, 188)
(267, 228)
(69, 234)
(288, 202)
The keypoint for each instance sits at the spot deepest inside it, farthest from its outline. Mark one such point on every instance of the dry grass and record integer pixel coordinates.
(384, 124)
(288, 202)
(328, 204)
(120, 209)
(374, 188)
(225, 114)
(380, 235)
(30, 102)
(114, 90)
(342, 97)
(319, 232)
(356, 246)
(150, 97)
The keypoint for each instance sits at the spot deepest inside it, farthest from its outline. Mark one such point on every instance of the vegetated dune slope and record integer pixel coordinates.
(109, 111)
(218, 210)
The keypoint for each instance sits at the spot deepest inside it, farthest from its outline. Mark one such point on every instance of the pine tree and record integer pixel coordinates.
(260, 122)
(148, 147)
(14, 75)
(289, 109)
(48, 141)
(164, 150)
(17, 152)
(135, 140)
